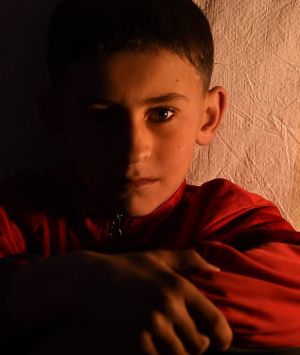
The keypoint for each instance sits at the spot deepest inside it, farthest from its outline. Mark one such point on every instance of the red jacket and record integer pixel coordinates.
(258, 288)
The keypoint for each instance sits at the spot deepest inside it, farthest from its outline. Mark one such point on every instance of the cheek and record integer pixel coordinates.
(84, 147)
(176, 155)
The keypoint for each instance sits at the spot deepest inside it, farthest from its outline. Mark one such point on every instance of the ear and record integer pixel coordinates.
(214, 108)
(50, 110)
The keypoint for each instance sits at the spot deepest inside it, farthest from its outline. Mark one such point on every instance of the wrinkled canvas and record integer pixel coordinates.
(257, 59)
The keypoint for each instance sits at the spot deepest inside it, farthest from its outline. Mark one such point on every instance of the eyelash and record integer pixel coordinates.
(157, 109)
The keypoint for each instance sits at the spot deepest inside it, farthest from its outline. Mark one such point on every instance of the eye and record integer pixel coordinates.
(162, 114)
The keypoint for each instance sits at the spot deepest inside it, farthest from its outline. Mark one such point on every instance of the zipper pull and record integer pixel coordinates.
(116, 227)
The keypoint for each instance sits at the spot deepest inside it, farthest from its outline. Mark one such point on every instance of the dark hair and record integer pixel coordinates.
(80, 28)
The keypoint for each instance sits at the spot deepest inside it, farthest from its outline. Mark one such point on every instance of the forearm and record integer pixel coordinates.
(38, 291)
(88, 286)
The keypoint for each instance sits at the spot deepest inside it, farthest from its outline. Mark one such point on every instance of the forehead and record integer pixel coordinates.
(140, 73)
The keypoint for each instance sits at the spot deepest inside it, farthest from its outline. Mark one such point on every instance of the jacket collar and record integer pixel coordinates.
(83, 202)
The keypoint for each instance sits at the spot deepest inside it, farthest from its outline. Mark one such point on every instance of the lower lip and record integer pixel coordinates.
(141, 183)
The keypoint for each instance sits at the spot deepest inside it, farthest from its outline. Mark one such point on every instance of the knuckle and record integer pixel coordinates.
(155, 254)
(193, 253)
(173, 282)
(217, 322)
(171, 295)
(156, 319)
(173, 308)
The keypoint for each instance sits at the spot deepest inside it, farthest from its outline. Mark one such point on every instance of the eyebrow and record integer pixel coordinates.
(164, 98)
(93, 100)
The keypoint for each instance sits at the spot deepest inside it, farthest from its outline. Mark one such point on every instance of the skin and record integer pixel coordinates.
(163, 312)
(147, 109)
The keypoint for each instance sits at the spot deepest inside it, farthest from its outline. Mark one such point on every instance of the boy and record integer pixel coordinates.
(116, 253)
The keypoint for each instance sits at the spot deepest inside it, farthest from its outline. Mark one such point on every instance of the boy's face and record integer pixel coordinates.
(130, 124)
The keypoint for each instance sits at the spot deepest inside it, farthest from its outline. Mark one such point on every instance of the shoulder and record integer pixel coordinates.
(224, 206)
(225, 192)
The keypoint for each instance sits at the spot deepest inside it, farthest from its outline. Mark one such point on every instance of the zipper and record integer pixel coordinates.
(116, 226)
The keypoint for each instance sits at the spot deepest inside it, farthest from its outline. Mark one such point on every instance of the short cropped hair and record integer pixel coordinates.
(80, 28)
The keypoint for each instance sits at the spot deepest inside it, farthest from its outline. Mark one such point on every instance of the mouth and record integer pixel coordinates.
(134, 184)
(140, 183)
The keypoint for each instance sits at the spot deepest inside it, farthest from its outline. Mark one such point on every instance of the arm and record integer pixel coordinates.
(97, 288)
(105, 292)
(258, 289)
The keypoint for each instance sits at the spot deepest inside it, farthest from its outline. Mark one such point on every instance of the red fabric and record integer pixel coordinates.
(258, 288)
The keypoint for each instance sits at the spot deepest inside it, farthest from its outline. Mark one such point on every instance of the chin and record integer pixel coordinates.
(138, 212)
(139, 208)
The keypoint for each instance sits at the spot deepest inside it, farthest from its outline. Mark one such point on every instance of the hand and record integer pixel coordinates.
(142, 299)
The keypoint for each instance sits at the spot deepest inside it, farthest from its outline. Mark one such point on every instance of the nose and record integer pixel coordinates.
(140, 142)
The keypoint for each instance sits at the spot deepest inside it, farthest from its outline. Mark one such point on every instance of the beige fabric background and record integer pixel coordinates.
(257, 60)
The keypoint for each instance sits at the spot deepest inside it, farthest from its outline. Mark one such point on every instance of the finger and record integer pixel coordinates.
(198, 345)
(147, 345)
(185, 261)
(208, 319)
(165, 338)
(193, 341)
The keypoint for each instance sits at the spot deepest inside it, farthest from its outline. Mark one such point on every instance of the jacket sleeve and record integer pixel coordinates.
(12, 254)
(258, 288)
